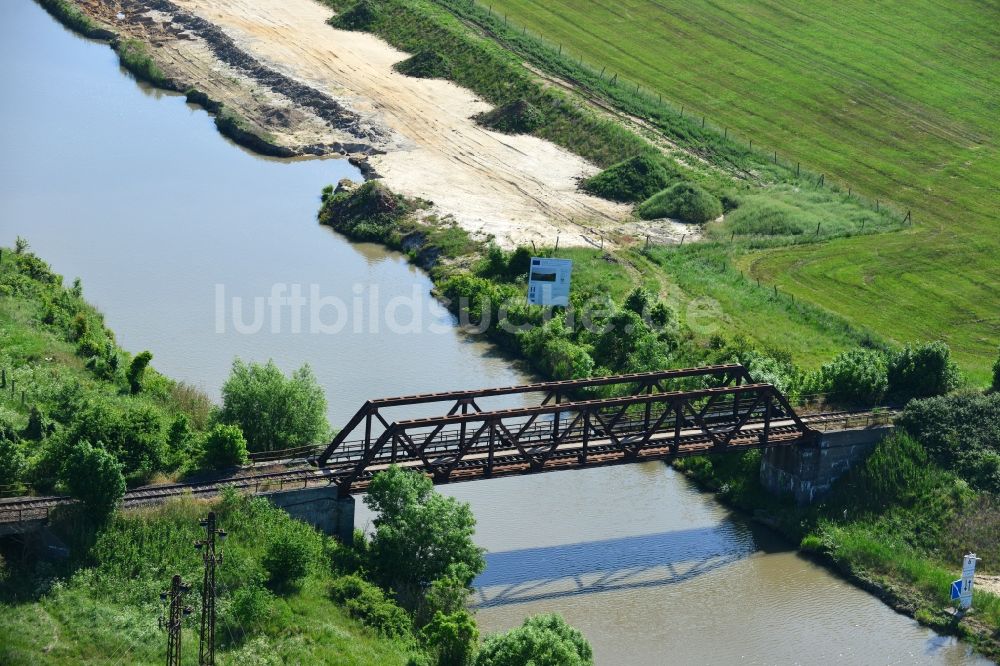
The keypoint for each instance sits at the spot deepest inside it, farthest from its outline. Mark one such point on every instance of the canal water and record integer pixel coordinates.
(168, 224)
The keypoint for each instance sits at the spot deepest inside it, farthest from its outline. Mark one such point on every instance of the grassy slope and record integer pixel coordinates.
(883, 98)
(38, 354)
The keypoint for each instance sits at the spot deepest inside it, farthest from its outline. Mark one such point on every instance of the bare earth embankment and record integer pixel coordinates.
(317, 90)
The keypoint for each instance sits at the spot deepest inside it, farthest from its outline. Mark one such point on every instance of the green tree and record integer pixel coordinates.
(223, 446)
(137, 369)
(923, 371)
(543, 640)
(274, 412)
(420, 535)
(451, 638)
(93, 476)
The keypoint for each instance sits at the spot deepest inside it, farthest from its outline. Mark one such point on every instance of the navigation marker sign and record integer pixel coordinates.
(548, 281)
(956, 589)
(961, 589)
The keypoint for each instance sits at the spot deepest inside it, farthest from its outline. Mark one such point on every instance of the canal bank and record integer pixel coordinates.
(136, 193)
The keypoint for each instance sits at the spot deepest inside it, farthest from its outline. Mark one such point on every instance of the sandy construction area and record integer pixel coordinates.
(518, 188)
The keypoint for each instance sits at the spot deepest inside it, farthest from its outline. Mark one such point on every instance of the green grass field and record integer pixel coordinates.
(896, 100)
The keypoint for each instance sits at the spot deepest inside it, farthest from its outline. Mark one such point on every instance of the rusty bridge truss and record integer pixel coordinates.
(650, 416)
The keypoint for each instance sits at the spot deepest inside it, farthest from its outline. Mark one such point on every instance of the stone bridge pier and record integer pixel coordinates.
(320, 507)
(807, 471)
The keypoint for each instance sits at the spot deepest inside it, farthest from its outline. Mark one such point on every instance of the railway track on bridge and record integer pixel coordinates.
(297, 473)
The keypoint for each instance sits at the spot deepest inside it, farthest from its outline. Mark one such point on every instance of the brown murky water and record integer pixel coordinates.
(135, 192)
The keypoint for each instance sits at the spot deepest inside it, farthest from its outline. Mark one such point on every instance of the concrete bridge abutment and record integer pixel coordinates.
(808, 471)
(320, 507)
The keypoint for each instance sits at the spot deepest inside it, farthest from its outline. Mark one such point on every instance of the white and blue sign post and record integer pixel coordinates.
(961, 589)
(548, 281)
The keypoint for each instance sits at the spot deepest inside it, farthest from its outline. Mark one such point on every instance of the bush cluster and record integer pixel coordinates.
(864, 377)
(367, 603)
(370, 212)
(425, 64)
(620, 338)
(542, 639)
(517, 117)
(633, 180)
(292, 550)
(961, 432)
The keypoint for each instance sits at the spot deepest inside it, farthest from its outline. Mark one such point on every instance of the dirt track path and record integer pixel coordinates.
(518, 188)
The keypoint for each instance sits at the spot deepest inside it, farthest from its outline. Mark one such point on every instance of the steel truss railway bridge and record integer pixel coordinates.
(563, 425)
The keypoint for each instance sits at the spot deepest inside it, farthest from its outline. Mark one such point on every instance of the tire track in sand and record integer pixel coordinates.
(517, 188)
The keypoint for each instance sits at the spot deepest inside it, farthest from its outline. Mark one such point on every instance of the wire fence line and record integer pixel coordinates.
(608, 75)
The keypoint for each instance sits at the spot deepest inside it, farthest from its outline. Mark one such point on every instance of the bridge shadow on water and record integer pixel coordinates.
(633, 562)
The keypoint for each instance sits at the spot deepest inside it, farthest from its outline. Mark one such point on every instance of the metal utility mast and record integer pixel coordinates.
(177, 612)
(211, 558)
